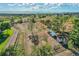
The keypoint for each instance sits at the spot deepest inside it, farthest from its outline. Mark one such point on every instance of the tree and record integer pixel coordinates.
(5, 26)
(74, 35)
(45, 50)
(14, 51)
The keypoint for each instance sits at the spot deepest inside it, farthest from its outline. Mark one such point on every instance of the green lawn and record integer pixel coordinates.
(3, 44)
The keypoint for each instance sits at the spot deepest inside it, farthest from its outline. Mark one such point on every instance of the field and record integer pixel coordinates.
(40, 35)
(3, 45)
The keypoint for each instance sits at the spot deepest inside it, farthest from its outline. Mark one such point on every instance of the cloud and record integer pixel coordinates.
(46, 3)
(56, 5)
(35, 8)
(45, 6)
(12, 4)
(17, 4)
(23, 3)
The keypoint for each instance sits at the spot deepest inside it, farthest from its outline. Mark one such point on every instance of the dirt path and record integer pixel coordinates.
(23, 38)
(12, 38)
(26, 44)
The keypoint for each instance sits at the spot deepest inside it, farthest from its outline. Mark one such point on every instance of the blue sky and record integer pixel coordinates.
(38, 7)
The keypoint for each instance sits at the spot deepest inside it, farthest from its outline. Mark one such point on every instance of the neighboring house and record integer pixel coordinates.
(52, 33)
(60, 37)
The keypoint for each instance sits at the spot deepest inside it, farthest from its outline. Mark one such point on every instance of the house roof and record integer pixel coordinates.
(52, 33)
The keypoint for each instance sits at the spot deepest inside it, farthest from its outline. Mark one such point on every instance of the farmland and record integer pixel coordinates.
(39, 35)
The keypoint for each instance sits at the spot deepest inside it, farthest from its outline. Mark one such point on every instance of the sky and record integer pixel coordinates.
(38, 7)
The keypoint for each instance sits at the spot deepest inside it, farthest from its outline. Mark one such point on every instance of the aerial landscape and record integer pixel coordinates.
(39, 29)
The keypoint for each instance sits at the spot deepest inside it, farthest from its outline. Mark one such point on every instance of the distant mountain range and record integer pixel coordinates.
(27, 13)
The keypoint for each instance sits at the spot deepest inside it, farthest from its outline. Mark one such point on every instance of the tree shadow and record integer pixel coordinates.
(3, 37)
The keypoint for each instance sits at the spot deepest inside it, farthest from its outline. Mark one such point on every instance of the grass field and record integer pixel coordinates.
(2, 45)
